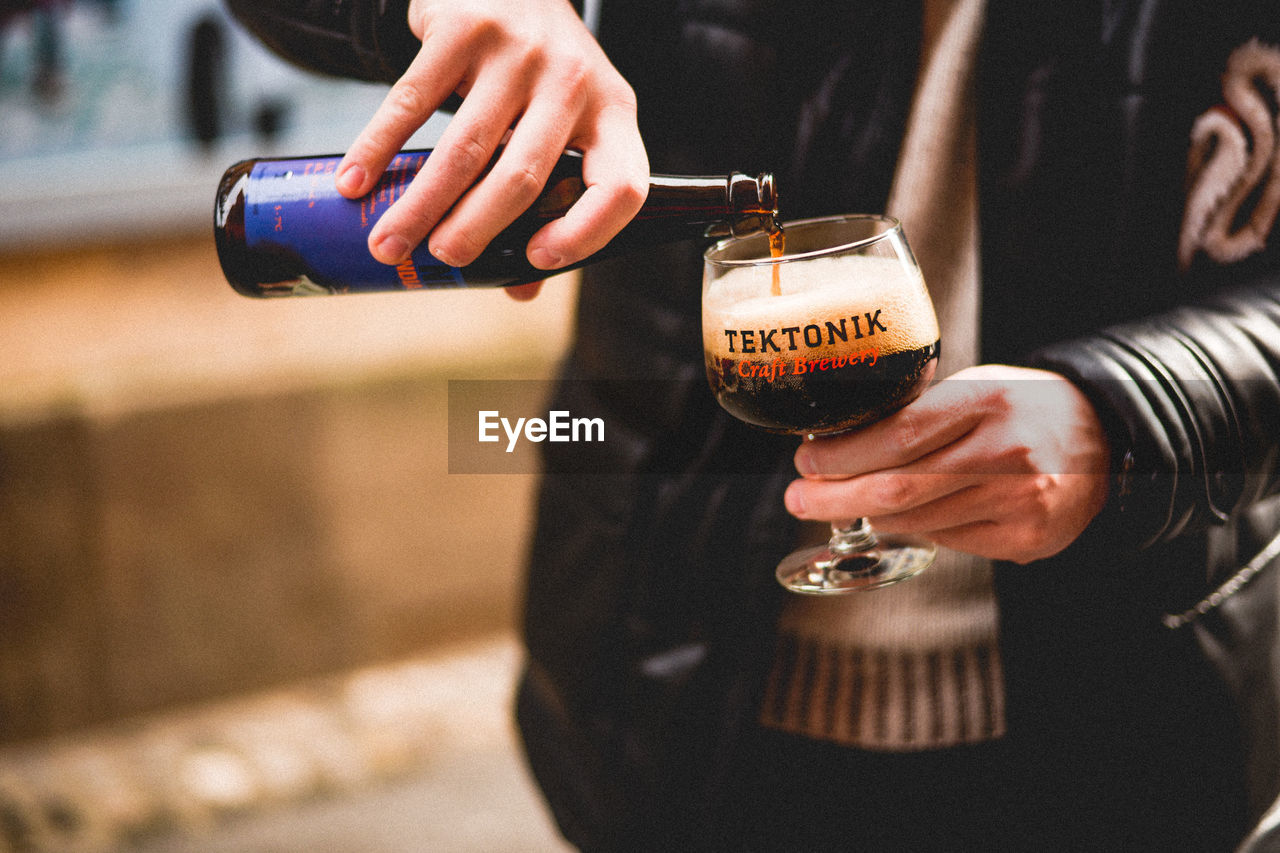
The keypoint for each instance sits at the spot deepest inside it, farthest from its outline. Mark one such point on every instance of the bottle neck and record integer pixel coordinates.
(754, 202)
(715, 206)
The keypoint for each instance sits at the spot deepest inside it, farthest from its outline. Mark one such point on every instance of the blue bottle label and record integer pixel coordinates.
(292, 208)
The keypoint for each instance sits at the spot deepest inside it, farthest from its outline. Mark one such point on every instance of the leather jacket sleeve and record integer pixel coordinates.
(1191, 402)
(360, 39)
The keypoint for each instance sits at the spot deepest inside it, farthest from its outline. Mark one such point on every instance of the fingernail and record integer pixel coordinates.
(545, 259)
(443, 256)
(351, 179)
(805, 463)
(793, 501)
(392, 249)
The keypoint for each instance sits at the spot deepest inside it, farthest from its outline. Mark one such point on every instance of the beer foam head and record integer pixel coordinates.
(819, 291)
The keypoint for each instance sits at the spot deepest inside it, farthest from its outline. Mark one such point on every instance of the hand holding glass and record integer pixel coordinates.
(833, 332)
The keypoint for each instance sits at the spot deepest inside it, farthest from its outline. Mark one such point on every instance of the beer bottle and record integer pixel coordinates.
(282, 228)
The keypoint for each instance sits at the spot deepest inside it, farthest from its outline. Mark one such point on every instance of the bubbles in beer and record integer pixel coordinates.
(819, 290)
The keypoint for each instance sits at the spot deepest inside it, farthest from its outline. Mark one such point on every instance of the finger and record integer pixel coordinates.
(982, 538)
(974, 519)
(460, 157)
(880, 494)
(973, 458)
(509, 188)
(998, 540)
(524, 292)
(430, 79)
(967, 505)
(942, 415)
(615, 170)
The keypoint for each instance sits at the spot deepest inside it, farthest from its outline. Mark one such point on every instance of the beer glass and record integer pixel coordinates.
(827, 329)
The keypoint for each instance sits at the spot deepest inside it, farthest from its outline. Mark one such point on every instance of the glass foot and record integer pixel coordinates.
(825, 571)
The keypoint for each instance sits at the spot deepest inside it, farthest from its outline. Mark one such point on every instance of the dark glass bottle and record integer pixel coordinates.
(282, 229)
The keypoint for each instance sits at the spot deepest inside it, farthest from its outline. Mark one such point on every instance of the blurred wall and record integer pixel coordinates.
(202, 494)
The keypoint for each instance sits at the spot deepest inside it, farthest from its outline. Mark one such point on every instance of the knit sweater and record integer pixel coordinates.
(914, 665)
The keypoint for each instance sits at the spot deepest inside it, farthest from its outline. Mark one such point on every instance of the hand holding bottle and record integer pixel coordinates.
(525, 66)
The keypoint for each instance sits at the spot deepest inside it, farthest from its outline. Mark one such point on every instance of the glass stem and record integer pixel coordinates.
(852, 536)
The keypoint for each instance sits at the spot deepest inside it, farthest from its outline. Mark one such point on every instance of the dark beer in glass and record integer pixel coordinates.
(825, 331)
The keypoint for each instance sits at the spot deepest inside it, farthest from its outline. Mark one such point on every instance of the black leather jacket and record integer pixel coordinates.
(650, 602)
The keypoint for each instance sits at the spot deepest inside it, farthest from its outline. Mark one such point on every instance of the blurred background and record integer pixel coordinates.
(244, 606)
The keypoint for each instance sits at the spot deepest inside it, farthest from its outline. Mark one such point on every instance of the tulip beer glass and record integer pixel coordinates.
(825, 330)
